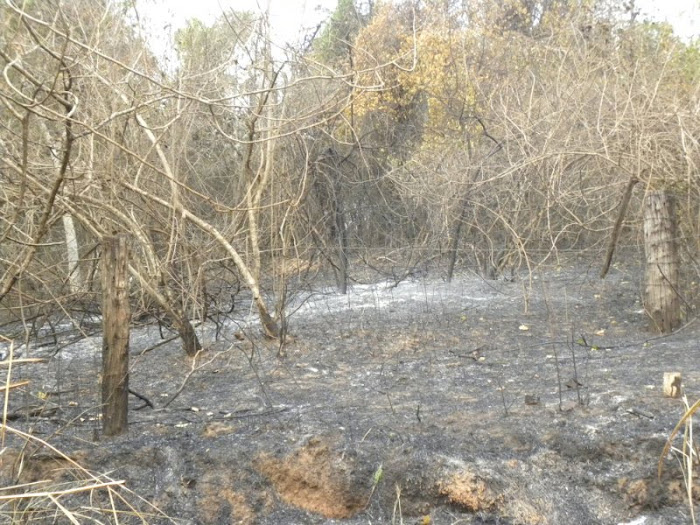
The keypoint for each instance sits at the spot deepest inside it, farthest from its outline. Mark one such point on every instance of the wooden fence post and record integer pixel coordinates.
(661, 300)
(115, 342)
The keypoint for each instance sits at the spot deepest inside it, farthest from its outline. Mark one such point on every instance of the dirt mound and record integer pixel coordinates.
(313, 479)
(218, 502)
(470, 491)
(496, 488)
(322, 479)
(17, 467)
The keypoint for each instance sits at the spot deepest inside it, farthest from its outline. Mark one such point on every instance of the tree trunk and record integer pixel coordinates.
(341, 235)
(75, 278)
(661, 299)
(115, 343)
(180, 321)
(190, 341)
(338, 224)
(269, 325)
(453, 247)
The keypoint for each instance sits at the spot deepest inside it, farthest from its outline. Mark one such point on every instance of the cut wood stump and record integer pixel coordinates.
(672, 384)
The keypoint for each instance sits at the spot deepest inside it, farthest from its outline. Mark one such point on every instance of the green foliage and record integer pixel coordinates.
(688, 63)
(334, 45)
(201, 47)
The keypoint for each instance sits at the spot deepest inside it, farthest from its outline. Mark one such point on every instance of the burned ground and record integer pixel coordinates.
(528, 402)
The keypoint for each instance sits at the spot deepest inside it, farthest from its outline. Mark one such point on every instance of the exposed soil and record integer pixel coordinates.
(424, 402)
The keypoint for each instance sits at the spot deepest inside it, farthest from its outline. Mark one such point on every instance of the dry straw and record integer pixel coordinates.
(79, 496)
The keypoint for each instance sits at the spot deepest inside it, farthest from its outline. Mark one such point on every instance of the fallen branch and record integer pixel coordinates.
(626, 196)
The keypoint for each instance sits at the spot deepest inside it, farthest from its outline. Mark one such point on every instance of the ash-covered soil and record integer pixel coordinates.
(526, 402)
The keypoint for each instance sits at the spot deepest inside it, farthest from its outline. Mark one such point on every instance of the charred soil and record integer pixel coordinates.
(530, 402)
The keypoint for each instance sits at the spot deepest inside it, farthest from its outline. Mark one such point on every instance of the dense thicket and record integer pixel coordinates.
(405, 135)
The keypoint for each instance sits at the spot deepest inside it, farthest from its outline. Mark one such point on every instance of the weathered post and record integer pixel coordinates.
(115, 343)
(661, 299)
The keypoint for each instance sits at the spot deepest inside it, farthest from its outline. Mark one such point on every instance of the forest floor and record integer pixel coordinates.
(526, 402)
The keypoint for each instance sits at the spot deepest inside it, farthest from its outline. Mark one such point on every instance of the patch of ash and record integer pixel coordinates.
(428, 380)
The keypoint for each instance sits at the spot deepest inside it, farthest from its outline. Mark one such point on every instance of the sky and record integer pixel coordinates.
(684, 15)
(291, 19)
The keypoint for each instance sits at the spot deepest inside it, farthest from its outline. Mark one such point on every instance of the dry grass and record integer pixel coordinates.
(42, 483)
(687, 454)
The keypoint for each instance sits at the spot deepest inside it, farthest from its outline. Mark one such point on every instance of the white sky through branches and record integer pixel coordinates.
(292, 19)
(683, 15)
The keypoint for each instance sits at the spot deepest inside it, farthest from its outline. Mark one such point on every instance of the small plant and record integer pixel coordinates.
(376, 479)
(688, 453)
